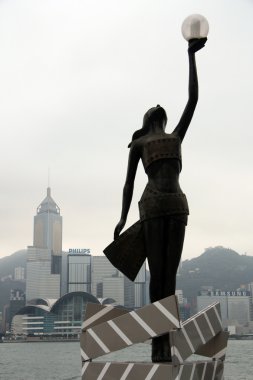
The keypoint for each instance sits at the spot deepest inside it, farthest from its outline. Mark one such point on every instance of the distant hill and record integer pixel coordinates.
(7, 267)
(219, 267)
(9, 263)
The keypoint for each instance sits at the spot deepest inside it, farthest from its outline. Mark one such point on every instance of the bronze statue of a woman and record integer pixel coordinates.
(163, 206)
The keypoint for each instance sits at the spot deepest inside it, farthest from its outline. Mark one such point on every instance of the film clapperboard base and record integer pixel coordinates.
(108, 329)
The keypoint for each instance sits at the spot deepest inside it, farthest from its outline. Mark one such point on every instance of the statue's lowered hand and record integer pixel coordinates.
(119, 228)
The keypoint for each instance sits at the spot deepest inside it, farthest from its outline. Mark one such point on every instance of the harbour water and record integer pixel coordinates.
(61, 361)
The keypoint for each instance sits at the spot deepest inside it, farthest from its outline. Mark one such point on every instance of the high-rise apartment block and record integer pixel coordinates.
(17, 301)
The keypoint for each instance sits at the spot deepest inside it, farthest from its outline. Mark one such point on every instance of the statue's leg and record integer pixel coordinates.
(175, 233)
(174, 240)
(164, 238)
(154, 230)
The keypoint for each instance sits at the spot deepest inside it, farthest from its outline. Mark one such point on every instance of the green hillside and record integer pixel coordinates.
(9, 263)
(7, 267)
(219, 267)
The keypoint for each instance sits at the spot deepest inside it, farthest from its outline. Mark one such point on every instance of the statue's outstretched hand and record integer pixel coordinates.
(196, 44)
(118, 228)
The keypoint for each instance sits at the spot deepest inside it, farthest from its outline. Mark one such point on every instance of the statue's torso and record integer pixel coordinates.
(162, 161)
(166, 146)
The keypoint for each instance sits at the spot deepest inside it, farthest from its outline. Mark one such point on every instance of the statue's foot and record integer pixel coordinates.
(161, 350)
(161, 359)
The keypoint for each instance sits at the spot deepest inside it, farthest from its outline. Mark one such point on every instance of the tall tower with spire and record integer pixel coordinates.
(47, 231)
(44, 256)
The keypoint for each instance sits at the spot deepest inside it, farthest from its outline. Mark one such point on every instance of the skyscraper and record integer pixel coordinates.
(44, 257)
(47, 231)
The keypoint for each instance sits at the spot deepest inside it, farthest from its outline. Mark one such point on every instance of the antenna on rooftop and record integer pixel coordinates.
(48, 182)
(48, 177)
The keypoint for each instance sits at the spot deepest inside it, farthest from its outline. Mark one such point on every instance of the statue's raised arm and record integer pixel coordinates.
(184, 122)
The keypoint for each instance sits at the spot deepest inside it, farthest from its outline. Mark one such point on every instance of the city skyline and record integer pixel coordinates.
(76, 79)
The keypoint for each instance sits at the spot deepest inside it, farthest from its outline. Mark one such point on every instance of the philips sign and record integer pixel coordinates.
(84, 251)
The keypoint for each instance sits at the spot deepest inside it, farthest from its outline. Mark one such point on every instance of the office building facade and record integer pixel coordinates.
(79, 272)
(108, 282)
(17, 301)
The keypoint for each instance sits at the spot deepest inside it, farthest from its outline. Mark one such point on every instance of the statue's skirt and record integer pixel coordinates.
(127, 253)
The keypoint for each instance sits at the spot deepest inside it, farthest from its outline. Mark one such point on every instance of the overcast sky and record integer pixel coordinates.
(76, 77)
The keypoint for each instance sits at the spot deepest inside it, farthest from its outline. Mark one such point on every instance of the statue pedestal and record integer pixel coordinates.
(202, 370)
(107, 329)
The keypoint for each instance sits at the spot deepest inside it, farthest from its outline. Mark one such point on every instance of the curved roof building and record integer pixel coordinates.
(42, 301)
(62, 317)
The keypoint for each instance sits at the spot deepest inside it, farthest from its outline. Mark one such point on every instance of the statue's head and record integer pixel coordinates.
(155, 115)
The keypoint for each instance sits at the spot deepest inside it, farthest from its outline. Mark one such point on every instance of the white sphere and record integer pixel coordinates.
(195, 26)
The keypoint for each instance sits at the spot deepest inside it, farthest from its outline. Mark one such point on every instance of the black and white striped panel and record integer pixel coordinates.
(134, 327)
(207, 370)
(212, 370)
(216, 347)
(195, 332)
(96, 314)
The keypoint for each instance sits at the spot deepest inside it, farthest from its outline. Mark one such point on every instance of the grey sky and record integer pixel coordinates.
(76, 78)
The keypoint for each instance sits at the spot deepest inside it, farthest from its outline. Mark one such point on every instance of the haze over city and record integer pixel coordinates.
(76, 78)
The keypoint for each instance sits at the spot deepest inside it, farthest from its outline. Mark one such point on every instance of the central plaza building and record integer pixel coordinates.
(44, 256)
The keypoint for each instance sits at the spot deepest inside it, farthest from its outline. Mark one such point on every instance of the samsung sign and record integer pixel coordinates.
(236, 293)
(84, 251)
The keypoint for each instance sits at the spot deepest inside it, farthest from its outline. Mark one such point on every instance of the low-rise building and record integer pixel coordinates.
(236, 305)
(62, 317)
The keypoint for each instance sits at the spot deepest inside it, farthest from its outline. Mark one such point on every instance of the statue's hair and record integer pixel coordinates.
(149, 117)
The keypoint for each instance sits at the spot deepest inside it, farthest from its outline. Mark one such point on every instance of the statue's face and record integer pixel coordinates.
(156, 114)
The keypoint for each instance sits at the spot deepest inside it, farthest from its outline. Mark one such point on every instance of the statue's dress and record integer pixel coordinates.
(127, 252)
